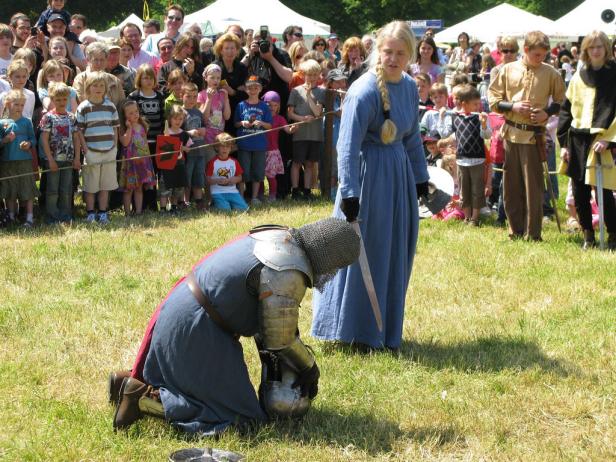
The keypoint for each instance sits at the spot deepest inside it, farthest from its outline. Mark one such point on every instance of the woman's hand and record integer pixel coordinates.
(53, 165)
(189, 66)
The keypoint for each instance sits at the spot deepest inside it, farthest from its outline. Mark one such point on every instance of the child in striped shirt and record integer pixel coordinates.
(98, 120)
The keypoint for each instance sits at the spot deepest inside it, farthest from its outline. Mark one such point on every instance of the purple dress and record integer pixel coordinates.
(137, 170)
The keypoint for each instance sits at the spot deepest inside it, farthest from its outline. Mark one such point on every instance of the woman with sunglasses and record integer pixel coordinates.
(319, 44)
(509, 53)
(291, 35)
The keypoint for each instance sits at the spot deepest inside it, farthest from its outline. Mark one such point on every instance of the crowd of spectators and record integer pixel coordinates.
(218, 85)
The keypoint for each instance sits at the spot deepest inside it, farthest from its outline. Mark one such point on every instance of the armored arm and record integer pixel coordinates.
(280, 294)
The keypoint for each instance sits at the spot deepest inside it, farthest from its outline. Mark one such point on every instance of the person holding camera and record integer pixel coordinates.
(272, 65)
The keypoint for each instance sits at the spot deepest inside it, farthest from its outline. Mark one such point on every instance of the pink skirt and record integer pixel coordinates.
(273, 163)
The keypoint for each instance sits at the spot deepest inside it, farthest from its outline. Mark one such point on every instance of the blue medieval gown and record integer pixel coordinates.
(383, 177)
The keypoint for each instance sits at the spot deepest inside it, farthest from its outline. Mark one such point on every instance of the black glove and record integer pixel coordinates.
(350, 208)
(308, 381)
(422, 189)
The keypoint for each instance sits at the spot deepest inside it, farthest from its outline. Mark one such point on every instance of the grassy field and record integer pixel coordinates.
(509, 348)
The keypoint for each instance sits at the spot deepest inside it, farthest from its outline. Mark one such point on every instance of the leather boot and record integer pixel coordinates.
(128, 410)
(589, 239)
(115, 382)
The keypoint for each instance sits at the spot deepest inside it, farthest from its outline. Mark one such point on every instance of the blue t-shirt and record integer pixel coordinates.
(44, 93)
(24, 131)
(252, 112)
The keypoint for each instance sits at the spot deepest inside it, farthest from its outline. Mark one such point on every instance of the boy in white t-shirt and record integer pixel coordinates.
(6, 40)
(223, 174)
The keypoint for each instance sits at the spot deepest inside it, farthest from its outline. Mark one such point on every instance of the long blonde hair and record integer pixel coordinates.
(49, 67)
(399, 30)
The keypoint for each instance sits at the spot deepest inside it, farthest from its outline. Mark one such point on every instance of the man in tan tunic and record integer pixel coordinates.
(527, 92)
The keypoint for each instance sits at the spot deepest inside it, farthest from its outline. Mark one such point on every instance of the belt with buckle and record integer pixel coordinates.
(193, 285)
(537, 129)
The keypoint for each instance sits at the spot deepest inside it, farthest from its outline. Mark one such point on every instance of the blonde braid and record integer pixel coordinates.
(388, 129)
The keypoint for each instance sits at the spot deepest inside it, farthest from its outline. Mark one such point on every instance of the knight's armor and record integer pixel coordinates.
(283, 280)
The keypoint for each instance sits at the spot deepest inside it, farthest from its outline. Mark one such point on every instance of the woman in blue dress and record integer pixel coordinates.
(381, 170)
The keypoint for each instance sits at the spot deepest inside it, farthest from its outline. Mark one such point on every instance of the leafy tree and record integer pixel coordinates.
(346, 17)
(100, 13)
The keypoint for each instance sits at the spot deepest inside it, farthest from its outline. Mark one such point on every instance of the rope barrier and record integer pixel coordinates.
(449, 111)
(116, 161)
(496, 169)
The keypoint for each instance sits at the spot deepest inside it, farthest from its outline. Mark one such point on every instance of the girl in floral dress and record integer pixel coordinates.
(136, 171)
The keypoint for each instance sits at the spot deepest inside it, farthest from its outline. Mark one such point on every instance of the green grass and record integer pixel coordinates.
(508, 353)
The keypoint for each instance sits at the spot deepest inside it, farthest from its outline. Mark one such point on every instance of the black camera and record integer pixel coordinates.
(264, 45)
(608, 16)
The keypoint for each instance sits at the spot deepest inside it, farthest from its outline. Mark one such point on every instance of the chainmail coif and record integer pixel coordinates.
(330, 244)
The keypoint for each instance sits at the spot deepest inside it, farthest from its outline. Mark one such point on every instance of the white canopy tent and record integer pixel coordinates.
(502, 20)
(252, 14)
(114, 32)
(584, 19)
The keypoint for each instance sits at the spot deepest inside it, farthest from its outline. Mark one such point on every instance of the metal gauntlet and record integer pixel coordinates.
(280, 293)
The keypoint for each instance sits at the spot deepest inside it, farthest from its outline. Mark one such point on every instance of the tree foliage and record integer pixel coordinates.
(345, 16)
(357, 16)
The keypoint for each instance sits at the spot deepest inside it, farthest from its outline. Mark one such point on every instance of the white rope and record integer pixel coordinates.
(115, 161)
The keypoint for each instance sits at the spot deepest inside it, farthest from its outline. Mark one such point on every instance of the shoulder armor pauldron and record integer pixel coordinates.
(278, 250)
